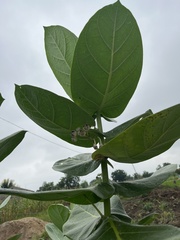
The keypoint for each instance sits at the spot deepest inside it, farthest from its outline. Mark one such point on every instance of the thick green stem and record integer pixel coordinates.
(104, 168)
(105, 178)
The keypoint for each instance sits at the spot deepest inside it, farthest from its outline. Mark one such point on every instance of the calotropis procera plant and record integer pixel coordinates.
(100, 71)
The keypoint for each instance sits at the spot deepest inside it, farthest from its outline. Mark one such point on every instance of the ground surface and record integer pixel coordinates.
(164, 201)
(29, 228)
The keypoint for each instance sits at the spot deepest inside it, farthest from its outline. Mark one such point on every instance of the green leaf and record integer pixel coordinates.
(54, 232)
(147, 138)
(8, 144)
(58, 214)
(117, 130)
(82, 222)
(60, 45)
(117, 230)
(118, 210)
(15, 237)
(104, 190)
(79, 165)
(147, 220)
(54, 113)
(85, 219)
(107, 62)
(1, 99)
(3, 204)
(144, 185)
(78, 196)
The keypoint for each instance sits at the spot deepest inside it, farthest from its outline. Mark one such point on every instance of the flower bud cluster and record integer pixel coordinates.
(82, 132)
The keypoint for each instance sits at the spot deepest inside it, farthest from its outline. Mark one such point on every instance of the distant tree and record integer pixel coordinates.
(7, 183)
(137, 176)
(119, 176)
(129, 177)
(163, 165)
(158, 167)
(47, 186)
(146, 174)
(68, 182)
(98, 180)
(84, 184)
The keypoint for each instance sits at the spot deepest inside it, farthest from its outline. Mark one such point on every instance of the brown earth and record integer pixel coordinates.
(30, 228)
(163, 201)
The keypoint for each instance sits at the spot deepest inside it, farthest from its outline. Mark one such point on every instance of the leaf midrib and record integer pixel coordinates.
(111, 65)
(59, 50)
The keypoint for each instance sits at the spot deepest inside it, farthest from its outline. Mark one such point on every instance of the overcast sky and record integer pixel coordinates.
(23, 61)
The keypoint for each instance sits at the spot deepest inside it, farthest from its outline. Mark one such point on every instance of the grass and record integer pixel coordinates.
(19, 208)
(171, 182)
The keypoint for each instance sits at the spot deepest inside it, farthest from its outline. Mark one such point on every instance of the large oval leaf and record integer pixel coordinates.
(86, 218)
(116, 230)
(54, 113)
(60, 45)
(8, 144)
(79, 165)
(119, 129)
(144, 185)
(107, 62)
(78, 196)
(147, 138)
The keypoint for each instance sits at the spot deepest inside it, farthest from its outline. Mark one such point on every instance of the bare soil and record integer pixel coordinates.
(29, 228)
(163, 201)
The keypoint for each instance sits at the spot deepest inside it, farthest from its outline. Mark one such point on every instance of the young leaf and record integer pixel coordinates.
(59, 45)
(147, 138)
(1, 99)
(8, 144)
(107, 62)
(58, 214)
(79, 165)
(54, 232)
(54, 113)
(144, 185)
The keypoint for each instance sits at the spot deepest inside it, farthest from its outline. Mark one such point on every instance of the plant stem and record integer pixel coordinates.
(105, 178)
(104, 168)
(115, 229)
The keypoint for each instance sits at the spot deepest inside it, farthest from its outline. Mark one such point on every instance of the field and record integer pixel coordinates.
(19, 207)
(164, 201)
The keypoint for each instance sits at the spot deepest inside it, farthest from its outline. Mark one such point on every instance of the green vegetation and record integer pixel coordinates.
(19, 207)
(171, 182)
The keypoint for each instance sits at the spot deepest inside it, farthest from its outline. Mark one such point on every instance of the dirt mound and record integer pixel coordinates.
(164, 201)
(30, 228)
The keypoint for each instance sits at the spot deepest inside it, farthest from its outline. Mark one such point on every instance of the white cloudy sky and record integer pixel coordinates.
(23, 61)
